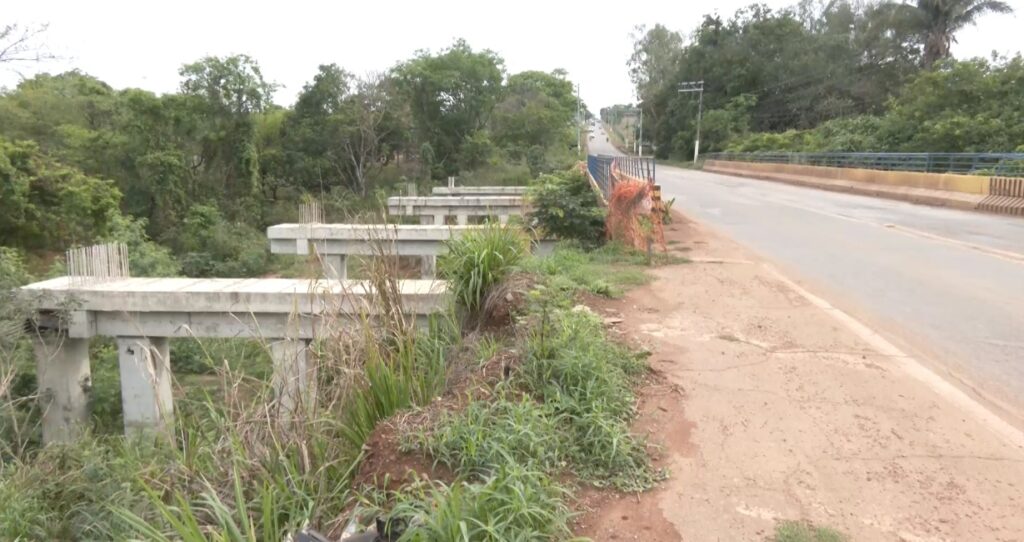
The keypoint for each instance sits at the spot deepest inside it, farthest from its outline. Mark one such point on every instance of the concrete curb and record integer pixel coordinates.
(938, 198)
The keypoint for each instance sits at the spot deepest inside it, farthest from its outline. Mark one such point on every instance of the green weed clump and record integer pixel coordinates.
(801, 531)
(604, 271)
(514, 503)
(411, 373)
(479, 260)
(489, 435)
(569, 405)
(587, 382)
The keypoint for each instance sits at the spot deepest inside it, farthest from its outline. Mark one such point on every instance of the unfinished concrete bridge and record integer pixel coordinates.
(98, 297)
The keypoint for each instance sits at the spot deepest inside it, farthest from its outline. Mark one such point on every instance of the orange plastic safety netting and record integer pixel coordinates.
(632, 217)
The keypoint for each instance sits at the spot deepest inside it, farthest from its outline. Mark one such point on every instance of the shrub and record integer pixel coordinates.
(479, 260)
(565, 206)
(214, 247)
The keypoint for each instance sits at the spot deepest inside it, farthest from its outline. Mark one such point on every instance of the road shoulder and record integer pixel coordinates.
(767, 408)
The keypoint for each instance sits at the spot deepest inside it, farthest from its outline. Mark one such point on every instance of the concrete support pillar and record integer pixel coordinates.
(427, 220)
(462, 220)
(428, 266)
(502, 219)
(439, 220)
(294, 378)
(62, 370)
(146, 395)
(335, 266)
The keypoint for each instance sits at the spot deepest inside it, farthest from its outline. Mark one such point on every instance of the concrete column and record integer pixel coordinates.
(428, 266)
(439, 220)
(427, 220)
(335, 266)
(62, 370)
(462, 220)
(502, 219)
(146, 396)
(294, 378)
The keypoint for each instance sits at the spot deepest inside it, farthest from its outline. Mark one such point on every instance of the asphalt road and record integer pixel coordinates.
(946, 284)
(599, 145)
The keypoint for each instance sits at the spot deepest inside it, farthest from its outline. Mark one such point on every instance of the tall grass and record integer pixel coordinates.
(514, 503)
(479, 260)
(567, 408)
(239, 467)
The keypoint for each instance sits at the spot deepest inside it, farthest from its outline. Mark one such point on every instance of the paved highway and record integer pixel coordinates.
(947, 284)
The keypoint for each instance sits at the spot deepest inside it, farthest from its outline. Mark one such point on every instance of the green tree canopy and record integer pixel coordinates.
(451, 95)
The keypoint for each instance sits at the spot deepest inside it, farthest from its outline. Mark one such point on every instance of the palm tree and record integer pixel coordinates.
(938, 21)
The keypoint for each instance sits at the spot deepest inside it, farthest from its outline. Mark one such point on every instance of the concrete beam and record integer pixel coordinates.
(479, 191)
(227, 297)
(146, 394)
(457, 205)
(65, 382)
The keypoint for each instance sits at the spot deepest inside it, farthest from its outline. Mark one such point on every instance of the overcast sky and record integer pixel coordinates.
(142, 44)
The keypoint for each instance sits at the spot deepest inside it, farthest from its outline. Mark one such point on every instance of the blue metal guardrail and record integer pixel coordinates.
(995, 164)
(601, 166)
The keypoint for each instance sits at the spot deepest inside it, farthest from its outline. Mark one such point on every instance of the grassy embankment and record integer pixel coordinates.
(238, 469)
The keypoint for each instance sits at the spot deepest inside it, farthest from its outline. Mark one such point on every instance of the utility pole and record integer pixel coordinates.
(641, 153)
(698, 87)
(579, 135)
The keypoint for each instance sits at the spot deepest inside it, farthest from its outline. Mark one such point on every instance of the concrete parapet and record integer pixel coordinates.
(950, 182)
(946, 190)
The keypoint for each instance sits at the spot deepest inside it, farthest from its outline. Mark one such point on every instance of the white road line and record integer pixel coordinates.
(911, 366)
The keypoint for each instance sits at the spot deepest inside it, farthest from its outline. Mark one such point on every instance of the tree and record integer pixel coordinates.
(342, 129)
(19, 44)
(653, 68)
(451, 95)
(225, 93)
(538, 110)
(372, 122)
(47, 205)
(938, 21)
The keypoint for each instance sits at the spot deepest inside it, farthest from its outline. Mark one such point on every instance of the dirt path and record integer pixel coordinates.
(772, 409)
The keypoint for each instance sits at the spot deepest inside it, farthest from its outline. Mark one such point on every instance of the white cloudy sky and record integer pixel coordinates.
(143, 43)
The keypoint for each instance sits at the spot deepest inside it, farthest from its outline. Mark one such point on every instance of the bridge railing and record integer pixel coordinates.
(999, 164)
(604, 168)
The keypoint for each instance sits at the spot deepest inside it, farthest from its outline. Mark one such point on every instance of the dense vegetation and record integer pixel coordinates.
(835, 76)
(202, 171)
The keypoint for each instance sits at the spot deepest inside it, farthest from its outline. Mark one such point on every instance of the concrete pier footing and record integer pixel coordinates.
(294, 379)
(65, 380)
(146, 393)
(335, 266)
